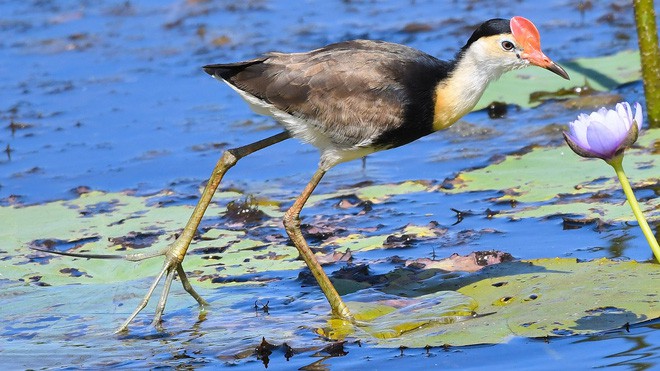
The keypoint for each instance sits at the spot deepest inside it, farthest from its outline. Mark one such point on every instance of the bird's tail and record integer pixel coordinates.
(226, 71)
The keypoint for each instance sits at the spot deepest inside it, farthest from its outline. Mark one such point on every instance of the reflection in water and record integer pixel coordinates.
(635, 351)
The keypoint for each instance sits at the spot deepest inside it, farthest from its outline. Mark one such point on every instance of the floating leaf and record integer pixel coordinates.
(468, 263)
(375, 193)
(381, 192)
(100, 223)
(549, 181)
(536, 298)
(550, 297)
(119, 223)
(358, 242)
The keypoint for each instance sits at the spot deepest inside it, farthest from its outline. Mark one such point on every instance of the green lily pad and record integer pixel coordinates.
(603, 74)
(381, 192)
(536, 298)
(551, 297)
(375, 193)
(120, 223)
(360, 242)
(550, 181)
(99, 223)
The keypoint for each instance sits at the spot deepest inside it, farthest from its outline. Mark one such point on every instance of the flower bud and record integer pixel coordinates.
(605, 134)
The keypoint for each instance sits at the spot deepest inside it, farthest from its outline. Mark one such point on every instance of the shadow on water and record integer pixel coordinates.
(110, 96)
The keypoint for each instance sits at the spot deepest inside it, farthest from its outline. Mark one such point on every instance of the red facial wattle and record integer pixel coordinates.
(528, 37)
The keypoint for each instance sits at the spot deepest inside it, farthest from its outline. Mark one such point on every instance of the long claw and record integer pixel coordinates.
(170, 268)
(143, 303)
(160, 307)
(129, 257)
(188, 287)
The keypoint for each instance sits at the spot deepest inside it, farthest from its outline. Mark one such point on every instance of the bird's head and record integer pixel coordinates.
(505, 45)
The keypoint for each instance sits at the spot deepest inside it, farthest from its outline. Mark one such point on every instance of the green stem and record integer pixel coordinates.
(647, 35)
(617, 164)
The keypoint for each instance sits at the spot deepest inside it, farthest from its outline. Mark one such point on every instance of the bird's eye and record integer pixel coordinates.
(507, 45)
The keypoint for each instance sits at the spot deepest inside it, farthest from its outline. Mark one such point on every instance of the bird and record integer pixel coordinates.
(351, 99)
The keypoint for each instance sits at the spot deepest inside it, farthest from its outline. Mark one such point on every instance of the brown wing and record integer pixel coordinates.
(351, 91)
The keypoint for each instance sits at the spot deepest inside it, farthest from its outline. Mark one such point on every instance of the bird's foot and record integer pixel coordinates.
(340, 310)
(174, 255)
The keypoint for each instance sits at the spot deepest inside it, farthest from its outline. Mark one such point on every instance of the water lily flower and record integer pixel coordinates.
(605, 134)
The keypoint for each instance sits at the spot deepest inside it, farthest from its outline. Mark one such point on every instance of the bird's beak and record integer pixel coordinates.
(528, 37)
(537, 58)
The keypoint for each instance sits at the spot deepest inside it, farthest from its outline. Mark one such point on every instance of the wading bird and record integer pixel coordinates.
(351, 99)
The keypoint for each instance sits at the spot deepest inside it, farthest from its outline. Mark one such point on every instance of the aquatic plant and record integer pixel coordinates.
(605, 134)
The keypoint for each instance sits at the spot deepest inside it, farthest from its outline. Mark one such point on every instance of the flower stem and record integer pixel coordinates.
(647, 36)
(617, 164)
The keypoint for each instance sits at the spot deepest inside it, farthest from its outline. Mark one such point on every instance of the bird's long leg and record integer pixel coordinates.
(292, 226)
(176, 252)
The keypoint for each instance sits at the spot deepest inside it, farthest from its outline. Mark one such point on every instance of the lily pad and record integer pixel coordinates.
(535, 298)
(99, 223)
(602, 74)
(375, 193)
(411, 307)
(120, 223)
(550, 181)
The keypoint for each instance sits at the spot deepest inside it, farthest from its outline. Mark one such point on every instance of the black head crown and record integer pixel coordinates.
(491, 27)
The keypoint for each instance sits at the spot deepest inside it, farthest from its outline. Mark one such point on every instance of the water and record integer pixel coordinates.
(110, 95)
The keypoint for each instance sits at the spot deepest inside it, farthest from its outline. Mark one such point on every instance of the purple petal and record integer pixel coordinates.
(578, 131)
(617, 124)
(623, 109)
(599, 115)
(624, 112)
(602, 140)
(630, 139)
(605, 133)
(638, 115)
